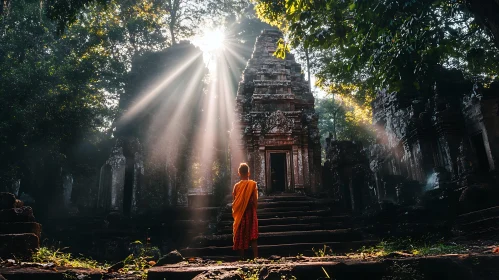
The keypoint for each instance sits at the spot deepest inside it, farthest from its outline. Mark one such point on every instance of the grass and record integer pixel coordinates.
(59, 258)
(250, 274)
(412, 247)
(132, 264)
(138, 264)
(325, 251)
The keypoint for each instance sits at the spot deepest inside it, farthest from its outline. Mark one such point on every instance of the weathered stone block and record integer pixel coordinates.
(7, 200)
(22, 214)
(10, 228)
(18, 245)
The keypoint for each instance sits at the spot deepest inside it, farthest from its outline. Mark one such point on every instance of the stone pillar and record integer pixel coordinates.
(301, 169)
(311, 185)
(289, 169)
(112, 181)
(306, 167)
(138, 177)
(296, 168)
(14, 187)
(67, 189)
(261, 179)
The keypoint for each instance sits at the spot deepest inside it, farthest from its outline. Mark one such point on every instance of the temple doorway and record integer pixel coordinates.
(278, 172)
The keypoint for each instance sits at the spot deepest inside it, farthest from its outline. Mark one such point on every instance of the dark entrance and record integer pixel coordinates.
(278, 172)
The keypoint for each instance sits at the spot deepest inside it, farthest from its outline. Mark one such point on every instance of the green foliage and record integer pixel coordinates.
(324, 252)
(282, 49)
(250, 274)
(137, 264)
(342, 119)
(414, 247)
(51, 92)
(391, 44)
(325, 273)
(58, 258)
(181, 18)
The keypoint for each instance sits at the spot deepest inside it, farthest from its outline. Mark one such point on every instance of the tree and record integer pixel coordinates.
(182, 17)
(399, 45)
(50, 96)
(341, 119)
(485, 12)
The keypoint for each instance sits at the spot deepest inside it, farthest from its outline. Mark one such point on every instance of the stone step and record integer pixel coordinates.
(184, 224)
(277, 209)
(285, 209)
(478, 215)
(295, 220)
(490, 233)
(480, 224)
(462, 266)
(291, 227)
(285, 214)
(30, 227)
(19, 245)
(281, 249)
(288, 237)
(22, 214)
(285, 198)
(278, 228)
(59, 273)
(290, 204)
(199, 214)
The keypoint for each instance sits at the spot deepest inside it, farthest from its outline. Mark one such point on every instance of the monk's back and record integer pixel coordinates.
(245, 227)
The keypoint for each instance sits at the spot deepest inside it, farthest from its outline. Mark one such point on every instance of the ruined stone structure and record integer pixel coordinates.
(439, 149)
(139, 175)
(121, 178)
(276, 129)
(347, 177)
(449, 140)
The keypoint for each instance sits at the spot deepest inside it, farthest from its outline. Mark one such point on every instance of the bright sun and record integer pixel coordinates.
(210, 42)
(214, 39)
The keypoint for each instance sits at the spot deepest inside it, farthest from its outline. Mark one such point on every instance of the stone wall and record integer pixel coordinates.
(439, 149)
(347, 177)
(145, 169)
(447, 140)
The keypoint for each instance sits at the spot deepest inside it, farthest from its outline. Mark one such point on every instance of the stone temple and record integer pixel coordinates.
(276, 126)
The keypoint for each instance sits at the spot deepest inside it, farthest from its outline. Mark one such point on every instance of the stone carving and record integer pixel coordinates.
(277, 122)
(121, 177)
(434, 143)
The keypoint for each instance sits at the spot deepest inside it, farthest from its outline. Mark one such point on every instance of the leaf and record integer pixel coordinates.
(325, 272)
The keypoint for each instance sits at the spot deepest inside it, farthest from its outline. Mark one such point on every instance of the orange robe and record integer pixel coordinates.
(245, 196)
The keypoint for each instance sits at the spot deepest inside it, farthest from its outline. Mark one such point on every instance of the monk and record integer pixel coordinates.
(245, 199)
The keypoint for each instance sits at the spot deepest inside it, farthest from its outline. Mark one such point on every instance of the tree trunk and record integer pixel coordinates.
(308, 70)
(172, 34)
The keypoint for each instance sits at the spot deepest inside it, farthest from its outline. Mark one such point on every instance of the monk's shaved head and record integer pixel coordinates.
(243, 169)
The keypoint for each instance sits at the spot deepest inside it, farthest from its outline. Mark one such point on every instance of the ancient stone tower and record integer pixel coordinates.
(275, 130)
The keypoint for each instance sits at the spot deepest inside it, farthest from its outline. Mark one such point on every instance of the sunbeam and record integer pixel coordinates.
(148, 97)
(211, 42)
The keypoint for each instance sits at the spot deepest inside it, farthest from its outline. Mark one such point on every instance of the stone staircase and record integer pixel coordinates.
(479, 224)
(289, 224)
